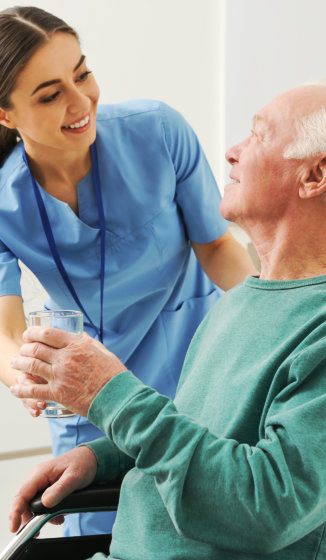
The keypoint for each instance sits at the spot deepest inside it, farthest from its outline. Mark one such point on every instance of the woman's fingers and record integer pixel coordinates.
(33, 406)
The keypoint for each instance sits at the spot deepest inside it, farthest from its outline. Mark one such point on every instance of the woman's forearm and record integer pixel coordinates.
(12, 326)
(225, 261)
(8, 349)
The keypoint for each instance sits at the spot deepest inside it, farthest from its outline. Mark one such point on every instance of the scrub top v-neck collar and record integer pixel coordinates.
(52, 244)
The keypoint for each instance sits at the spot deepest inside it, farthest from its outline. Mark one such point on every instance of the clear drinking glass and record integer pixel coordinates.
(67, 320)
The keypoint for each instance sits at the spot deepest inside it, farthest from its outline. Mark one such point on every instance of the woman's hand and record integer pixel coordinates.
(60, 476)
(73, 369)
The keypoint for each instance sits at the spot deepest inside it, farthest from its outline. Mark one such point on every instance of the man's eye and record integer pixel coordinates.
(51, 97)
(83, 77)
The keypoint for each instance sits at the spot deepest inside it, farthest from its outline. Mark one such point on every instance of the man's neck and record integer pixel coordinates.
(288, 253)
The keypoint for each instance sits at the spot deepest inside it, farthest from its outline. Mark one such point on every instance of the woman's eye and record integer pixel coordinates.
(51, 97)
(83, 77)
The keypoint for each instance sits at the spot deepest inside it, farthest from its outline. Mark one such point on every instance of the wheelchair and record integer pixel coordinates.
(26, 546)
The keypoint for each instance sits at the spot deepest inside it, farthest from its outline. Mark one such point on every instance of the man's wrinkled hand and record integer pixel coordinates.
(60, 476)
(72, 369)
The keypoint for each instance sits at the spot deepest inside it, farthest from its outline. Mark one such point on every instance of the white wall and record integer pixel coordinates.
(161, 49)
(270, 46)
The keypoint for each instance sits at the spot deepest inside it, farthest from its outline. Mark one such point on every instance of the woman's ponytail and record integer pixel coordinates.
(8, 140)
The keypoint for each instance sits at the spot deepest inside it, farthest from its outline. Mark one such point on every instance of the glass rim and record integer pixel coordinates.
(53, 312)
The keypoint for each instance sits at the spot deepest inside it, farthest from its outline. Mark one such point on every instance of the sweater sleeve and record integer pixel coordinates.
(230, 491)
(112, 464)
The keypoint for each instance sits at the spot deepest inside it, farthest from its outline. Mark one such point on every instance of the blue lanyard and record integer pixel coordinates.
(52, 244)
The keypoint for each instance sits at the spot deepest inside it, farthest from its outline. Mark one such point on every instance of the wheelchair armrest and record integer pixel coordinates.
(100, 497)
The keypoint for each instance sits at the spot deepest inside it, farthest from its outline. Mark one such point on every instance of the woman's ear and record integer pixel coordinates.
(313, 178)
(5, 120)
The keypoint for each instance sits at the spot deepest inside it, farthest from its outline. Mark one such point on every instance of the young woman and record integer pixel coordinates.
(109, 208)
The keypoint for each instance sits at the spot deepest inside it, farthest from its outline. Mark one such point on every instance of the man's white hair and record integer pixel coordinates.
(310, 138)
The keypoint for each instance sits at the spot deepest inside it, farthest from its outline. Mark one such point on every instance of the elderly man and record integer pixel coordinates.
(235, 467)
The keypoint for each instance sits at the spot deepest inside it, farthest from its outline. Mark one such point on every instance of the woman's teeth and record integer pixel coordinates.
(79, 124)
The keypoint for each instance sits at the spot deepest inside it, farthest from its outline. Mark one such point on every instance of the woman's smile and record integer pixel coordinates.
(79, 126)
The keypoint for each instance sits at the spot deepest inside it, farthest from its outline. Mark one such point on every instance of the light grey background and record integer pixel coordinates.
(270, 46)
(217, 61)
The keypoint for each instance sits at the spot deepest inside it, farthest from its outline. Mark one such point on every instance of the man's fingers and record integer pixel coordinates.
(57, 520)
(60, 489)
(19, 510)
(50, 336)
(32, 366)
(37, 350)
(33, 391)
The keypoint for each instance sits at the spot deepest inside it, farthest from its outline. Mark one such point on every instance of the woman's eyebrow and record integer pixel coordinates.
(82, 58)
(51, 82)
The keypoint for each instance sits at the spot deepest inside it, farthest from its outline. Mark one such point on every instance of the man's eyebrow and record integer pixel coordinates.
(51, 82)
(257, 118)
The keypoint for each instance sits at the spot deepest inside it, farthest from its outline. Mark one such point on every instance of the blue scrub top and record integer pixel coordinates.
(158, 194)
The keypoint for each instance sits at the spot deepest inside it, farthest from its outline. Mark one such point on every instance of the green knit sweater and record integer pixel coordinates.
(235, 467)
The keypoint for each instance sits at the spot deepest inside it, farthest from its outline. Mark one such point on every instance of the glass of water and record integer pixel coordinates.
(66, 320)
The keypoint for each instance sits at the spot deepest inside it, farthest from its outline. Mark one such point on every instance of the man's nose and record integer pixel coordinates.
(233, 154)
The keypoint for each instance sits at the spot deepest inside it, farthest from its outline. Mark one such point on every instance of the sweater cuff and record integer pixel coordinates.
(107, 456)
(112, 398)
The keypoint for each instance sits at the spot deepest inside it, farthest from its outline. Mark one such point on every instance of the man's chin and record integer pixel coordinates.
(227, 212)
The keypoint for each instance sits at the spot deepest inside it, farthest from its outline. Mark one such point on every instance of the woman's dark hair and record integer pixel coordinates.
(23, 30)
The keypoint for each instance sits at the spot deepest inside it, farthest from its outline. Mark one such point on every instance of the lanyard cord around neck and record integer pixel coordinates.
(52, 244)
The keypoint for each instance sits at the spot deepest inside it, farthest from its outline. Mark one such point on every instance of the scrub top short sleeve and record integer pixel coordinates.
(9, 272)
(194, 180)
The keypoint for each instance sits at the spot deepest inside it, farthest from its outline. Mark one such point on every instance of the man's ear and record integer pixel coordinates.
(313, 178)
(5, 120)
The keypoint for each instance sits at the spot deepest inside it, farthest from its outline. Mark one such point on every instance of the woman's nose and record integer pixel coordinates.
(77, 101)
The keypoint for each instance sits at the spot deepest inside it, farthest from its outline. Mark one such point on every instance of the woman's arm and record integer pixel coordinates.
(224, 260)
(12, 326)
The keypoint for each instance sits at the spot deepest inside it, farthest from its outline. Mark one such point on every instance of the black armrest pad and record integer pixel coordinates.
(104, 497)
